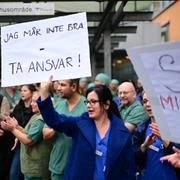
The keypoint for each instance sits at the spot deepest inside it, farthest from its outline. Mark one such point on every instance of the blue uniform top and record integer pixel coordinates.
(82, 159)
(155, 169)
(101, 153)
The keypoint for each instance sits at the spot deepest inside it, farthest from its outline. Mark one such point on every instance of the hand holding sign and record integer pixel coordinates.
(45, 87)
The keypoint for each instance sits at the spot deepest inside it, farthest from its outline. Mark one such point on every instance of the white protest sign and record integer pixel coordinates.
(33, 51)
(158, 68)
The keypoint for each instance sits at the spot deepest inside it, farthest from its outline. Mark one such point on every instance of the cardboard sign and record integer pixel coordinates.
(158, 68)
(33, 51)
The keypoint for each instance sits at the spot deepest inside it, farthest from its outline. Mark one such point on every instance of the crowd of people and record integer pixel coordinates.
(79, 130)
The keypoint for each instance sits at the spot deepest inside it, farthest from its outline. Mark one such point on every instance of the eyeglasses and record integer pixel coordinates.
(125, 92)
(91, 102)
(144, 101)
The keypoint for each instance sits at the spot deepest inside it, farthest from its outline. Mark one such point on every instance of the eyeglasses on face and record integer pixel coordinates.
(144, 101)
(91, 102)
(124, 92)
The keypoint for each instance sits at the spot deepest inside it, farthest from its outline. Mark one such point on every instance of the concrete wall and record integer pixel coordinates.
(147, 33)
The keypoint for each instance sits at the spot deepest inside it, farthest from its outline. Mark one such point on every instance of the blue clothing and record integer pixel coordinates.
(101, 153)
(15, 170)
(117, 101)
(154, 168)
(62, 143)
(81, 164)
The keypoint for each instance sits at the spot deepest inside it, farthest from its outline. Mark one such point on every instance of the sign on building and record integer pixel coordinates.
(17, 9)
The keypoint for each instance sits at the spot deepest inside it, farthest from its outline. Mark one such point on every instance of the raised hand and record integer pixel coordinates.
(149, 140)
(155, 130)
(45, 87)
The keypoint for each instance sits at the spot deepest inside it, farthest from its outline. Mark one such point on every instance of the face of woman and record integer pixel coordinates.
(34, 105)
(94, 108)
(147, 105)
(26, 94)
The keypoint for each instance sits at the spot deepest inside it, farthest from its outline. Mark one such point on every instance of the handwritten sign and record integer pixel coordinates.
(158, 68)
(35, 50)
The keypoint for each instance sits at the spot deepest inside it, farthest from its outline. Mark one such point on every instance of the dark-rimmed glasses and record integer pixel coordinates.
(91, 102)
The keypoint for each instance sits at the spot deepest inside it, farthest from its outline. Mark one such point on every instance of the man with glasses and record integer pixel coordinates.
(131, 110)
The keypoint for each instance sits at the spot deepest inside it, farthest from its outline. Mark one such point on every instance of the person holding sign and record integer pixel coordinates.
(71, 104)
(101, 144)
(152, 149)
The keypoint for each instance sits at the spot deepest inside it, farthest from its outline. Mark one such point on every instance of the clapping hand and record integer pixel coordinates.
(9, 124)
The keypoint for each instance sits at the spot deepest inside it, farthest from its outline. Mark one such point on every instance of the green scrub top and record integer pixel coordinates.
(35, 158)
(62, 143)
(134, 114)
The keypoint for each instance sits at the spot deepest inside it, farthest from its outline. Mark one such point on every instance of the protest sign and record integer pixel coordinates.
(158, 68)
(33, 51)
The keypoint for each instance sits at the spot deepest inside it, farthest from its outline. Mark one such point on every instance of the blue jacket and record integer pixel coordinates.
(148, 163)
(120, 158)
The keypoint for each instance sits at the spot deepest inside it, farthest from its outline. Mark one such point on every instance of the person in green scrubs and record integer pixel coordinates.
(71, 104)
